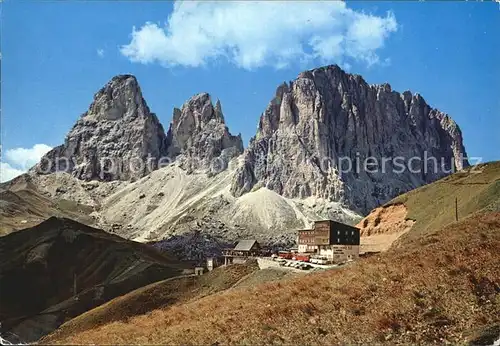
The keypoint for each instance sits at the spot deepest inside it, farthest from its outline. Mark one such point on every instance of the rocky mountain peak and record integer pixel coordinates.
(218, 110)
(118, 138)
(325, 116)
(199, 136)
(329, 69)
(120, 97)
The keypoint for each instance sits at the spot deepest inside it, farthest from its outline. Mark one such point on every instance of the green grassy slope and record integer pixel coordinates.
(433, 206)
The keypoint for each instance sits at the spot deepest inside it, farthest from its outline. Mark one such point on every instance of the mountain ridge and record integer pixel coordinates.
(286, 178)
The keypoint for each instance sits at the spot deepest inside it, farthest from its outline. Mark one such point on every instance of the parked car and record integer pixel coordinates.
(319, 260)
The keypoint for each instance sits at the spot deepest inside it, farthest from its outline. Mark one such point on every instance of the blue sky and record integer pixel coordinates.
(56, 55)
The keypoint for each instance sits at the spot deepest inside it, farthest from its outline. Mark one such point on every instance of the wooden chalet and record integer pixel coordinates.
(242, 250)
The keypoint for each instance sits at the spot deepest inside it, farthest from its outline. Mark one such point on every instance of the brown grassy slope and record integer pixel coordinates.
(264, 276)
(155, 296)
(442, 289)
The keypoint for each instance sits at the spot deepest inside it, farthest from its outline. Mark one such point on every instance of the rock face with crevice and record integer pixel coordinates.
(199, 137)
(326, 118)
(118, 138)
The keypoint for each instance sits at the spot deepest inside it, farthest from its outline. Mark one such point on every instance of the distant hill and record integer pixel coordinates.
(427, 209)
(22, 205)
(38, 267)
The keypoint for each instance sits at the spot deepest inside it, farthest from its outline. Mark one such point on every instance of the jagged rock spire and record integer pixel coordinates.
(199, 134)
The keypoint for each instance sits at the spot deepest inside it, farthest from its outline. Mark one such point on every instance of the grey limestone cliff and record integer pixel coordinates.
(326, 120)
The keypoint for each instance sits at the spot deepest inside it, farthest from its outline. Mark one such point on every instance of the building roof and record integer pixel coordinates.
(336, 223)
(345, 225)
(245, 245)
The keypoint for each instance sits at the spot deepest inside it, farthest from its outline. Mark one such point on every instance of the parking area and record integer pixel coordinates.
(268, 262)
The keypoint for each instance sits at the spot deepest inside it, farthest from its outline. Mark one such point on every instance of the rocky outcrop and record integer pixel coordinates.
(327, 120)
(199, 137)
(118, 138)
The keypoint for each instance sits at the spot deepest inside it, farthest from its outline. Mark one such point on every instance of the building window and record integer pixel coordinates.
(338, 240)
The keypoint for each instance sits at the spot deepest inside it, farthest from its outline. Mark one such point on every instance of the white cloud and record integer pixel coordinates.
(254, 34)
(18, 160)
(25, 158)
(100, 53)
(7, 172)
